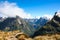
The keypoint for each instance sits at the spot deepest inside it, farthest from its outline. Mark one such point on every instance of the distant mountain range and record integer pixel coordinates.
(28, 26)
(31, 21)
(41, 22)
(37, 23)
(51, 27)
(2, 19)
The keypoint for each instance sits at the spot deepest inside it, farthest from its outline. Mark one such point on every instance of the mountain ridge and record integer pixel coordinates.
(51, 27)
(16, 23)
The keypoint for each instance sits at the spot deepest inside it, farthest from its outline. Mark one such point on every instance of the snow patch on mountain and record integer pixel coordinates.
(58, 13)
(47, 16)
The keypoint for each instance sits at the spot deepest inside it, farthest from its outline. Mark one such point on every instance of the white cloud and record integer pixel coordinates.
(48, 16)
(11, 10)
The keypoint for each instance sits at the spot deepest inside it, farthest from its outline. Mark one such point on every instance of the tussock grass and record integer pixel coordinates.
(48, 37)
(17, 35)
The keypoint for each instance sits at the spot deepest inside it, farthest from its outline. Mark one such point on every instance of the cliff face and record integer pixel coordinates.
(50, 27)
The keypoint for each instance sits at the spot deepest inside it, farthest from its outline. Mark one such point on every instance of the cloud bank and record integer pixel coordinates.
(11, 10)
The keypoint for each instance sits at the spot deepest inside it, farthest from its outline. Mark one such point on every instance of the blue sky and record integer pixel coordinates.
(38, 7)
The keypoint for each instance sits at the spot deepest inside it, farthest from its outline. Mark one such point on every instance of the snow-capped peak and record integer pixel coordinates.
(58, 13)
(49, 17)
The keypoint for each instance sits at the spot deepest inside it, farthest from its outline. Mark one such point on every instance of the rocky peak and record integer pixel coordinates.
(57, 13)
(51, 27)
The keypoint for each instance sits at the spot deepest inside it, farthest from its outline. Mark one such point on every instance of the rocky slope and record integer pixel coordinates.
(50, 27)
(16, 23)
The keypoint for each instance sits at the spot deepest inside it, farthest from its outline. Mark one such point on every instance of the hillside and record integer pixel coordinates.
(16, 23)
(51, 27)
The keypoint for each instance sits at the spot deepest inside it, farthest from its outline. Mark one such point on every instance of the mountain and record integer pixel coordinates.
(31, 21)
(16, 23)
(40, 22)
(2, 19)
(50, 27)
(37, 23)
